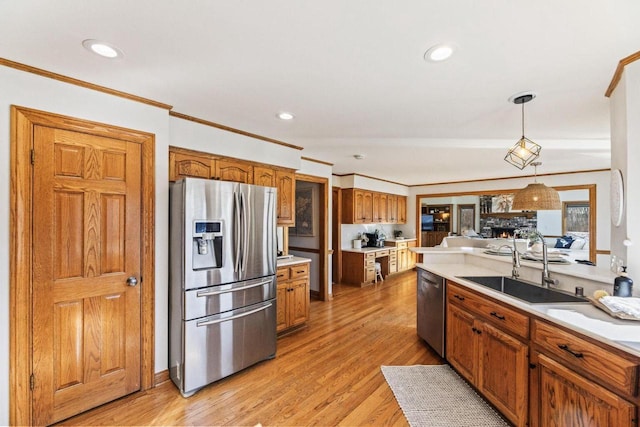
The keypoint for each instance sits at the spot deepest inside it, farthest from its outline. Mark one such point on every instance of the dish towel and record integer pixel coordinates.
(630, 306)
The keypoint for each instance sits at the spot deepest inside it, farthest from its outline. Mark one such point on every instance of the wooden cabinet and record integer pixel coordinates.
(368, 207)
(404, 258)
(481, 345)
(575, 381)
(433, 238)
(358, 268)
(186, 163)
(402, 210)
(286, 185)
(234, 170)
(292, 296)
(183, 165)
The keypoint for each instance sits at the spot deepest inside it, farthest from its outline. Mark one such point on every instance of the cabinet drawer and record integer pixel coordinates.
(382, 253)
(282, 274)
(298, 271)
(402, 245)
(369, 256)
(498, 314)
(369, 274)
(586, 357)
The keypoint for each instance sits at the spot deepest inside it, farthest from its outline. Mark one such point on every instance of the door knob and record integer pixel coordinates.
(132, 281)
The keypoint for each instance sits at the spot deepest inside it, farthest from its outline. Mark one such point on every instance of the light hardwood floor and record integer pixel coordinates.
(326, 374)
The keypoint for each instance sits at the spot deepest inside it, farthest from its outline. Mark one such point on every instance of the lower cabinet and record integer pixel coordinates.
(535, 372)
(578, 382)
(485, 354)
(292, 296)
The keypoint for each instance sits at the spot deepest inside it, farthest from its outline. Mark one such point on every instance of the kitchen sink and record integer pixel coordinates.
(528, 292)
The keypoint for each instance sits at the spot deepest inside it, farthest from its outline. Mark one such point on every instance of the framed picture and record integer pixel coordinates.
(501, 203)
(466, 218)
(575, 216)
(305, 215)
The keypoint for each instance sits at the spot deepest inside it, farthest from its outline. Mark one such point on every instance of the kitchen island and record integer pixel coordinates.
(563, 363)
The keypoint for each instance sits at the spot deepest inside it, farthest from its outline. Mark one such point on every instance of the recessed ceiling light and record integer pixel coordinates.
(103, 49)
(358, 156)
(285, 115)
(439, 52)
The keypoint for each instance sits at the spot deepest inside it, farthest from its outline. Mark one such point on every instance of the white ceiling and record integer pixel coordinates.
(353, 73)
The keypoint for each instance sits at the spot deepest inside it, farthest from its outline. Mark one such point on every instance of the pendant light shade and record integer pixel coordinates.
(525, 151)
(536, 196)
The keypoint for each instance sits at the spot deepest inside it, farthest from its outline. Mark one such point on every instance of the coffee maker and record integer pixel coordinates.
(375, 240)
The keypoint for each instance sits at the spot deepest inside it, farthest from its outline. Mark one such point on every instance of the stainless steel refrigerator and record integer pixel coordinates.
(222, 263)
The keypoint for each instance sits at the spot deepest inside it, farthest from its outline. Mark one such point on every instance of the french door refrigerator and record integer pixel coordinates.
(222, 263)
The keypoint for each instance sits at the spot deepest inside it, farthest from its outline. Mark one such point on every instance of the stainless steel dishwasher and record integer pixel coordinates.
(431, 310)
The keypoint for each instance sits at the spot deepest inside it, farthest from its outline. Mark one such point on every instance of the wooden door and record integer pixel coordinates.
(392, 208)
(282, 306)
(382, 208)
(298, 301)
(402, 210)
(375, 207)
(86, 247)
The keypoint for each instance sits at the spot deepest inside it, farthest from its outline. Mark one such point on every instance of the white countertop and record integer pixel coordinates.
(581, 317)
(366, 249)
(401, 239)
(292, 261)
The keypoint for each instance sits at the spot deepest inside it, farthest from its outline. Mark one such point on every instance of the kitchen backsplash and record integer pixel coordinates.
(351, 231)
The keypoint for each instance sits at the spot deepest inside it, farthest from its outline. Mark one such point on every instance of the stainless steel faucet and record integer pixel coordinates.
(546, 276)
(515, 258)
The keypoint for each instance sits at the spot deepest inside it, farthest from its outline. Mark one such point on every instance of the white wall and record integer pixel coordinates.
(600, 179)
(29, 90)
(625, 155)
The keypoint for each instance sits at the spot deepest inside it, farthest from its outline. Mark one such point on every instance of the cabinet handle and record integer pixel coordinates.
(566, 348)
(532, 366)
(476, 330)
(498, 316)
(456, 296)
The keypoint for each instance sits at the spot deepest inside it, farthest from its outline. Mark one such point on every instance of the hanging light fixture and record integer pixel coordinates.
(524, 151)
(536, 196)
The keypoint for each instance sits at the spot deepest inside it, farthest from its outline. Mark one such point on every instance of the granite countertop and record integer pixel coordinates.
(580, 317)
(285, 262)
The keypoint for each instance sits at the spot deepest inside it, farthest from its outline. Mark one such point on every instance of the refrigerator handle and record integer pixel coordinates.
(236, 231)
(245, 231)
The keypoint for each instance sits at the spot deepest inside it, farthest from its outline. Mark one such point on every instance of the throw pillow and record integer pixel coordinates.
(564, 242)
(578, 244)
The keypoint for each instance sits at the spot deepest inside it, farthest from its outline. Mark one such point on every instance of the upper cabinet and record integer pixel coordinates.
(370, 207)
(186, 163)
(286, 185)
(234, 170)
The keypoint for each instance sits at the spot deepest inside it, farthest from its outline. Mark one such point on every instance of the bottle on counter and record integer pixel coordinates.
(623, 285)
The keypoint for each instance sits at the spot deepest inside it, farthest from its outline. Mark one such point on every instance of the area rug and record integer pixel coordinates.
(435, 396)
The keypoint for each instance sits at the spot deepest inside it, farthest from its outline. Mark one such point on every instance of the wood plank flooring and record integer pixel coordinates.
(326, 374)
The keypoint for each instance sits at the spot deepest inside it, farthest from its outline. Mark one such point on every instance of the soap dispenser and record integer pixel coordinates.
(622, 285)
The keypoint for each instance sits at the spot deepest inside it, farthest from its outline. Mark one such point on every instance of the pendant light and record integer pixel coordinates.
(524, 151)
(536, 196)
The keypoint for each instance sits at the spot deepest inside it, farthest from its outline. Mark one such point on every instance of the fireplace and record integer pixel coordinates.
(505, 232)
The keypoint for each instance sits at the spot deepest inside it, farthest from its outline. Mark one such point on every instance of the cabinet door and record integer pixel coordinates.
(298, 300)
(383, 208)
(264, 176)
(281, 306)
(367, 207)
(375, 207)
(503, 373)
(190, 165)
(403, 260)
(286, 185)
(412, 256)
(568, 399)
(402, 210)
(461, 342)
(392, 208)
(233, 170)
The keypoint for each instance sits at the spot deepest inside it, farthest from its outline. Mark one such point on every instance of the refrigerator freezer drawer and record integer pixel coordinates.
(218, 346)
(218, 299)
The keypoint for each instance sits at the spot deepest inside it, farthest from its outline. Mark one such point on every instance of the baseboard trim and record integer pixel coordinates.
(161, 377)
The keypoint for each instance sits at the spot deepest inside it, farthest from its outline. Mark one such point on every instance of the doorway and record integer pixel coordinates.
(310, 236)
(81, 281)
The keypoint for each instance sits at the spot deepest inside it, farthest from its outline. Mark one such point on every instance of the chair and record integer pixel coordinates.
(378, 273)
